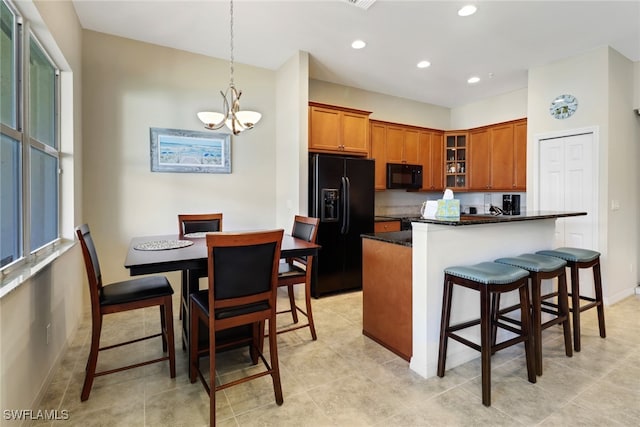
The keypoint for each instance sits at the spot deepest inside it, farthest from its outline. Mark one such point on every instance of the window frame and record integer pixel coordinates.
(23, 35)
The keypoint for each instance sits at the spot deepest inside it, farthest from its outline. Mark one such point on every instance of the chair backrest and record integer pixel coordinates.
(199, 223)
(90, 262)
(243, 268)
(305, 228)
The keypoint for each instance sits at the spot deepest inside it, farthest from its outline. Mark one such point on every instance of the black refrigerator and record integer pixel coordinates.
(341, 194)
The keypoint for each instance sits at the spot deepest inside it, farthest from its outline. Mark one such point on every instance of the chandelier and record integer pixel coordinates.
(235, 119)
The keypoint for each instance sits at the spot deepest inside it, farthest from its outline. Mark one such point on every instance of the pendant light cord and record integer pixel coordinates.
(231, 42)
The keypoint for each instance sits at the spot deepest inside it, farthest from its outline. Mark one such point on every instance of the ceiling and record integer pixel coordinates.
(499, 43)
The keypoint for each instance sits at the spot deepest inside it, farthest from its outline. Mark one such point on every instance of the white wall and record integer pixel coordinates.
(498, 109)
(292, 88)
(130, 87)
(57, 295)
(600, 80)
(383, 107)
(636, 92)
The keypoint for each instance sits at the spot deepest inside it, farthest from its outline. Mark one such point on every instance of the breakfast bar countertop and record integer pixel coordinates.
(472, 219)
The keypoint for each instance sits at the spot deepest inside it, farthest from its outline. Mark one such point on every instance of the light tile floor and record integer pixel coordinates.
(345, 379)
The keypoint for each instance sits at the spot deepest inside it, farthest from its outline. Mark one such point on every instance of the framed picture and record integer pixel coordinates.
(175, 150)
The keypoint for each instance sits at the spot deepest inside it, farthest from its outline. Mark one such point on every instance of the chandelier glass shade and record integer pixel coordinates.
(235, 119)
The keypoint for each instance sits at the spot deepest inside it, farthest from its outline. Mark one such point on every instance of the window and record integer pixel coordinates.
(29, 144)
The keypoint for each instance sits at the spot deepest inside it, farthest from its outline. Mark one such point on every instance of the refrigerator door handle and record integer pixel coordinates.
(346, 207)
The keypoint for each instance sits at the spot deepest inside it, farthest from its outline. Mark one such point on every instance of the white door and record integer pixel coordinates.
(568, 183)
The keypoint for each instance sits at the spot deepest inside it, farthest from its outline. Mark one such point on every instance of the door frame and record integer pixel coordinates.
(533, 196)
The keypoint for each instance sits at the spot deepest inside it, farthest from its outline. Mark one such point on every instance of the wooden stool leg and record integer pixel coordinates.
(444, 324)
(163, 323)
(536, 320)
(597, 280)
(168, 331)
(525, 314)
(575, 305)
(92, 361)
(495, 309)
(563, 310)
(485, 344)
(307, 298)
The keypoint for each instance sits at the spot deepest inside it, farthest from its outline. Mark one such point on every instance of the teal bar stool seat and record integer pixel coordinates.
(541, 267)
(576, 259)
(490, 279)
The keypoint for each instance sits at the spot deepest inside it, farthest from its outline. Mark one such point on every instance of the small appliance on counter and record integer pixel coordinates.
(511, 204)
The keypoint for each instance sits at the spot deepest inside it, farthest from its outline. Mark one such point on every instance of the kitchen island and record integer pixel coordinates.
(437, 244)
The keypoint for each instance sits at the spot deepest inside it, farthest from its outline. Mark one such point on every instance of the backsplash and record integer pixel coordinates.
(408, 203)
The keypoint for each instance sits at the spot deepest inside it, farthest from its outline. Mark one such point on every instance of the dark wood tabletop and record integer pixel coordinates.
(195, 256)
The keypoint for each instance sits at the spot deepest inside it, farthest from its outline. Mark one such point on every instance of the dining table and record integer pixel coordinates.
(172, 252)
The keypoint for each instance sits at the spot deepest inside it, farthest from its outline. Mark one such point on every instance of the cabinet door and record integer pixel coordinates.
(378, 139)
(386, 226)
(479, 160)
(395, 144)
(431, 152)
(355, 133)
(411, 143)
(324, 128)
(520, 156)
(501, 138)
(437, 161)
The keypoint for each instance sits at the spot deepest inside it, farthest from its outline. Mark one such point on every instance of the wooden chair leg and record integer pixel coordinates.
(163, 326)
(292, 303)
(307, 298)
(194, 333)
(485, 344)
(212, 376)
(275, 367)
(444, 325)
(597, 280)
(168, 335)
(92, 361)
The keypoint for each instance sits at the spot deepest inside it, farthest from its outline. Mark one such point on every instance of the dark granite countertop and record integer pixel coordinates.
(379, 218)
(403, 238)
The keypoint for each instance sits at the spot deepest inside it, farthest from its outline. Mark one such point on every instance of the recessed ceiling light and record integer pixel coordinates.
(358, 44)
(474, 79)
(467, 10)
(424, 64)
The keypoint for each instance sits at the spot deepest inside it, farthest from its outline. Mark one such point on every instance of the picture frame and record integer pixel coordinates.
(188, 151)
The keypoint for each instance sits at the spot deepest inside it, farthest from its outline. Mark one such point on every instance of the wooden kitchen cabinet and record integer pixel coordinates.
(496, 161)
(402, 144)
(386, 226)
(431, 153)
(455, 152)
(520, 155)
(338, 130)
(378, 134)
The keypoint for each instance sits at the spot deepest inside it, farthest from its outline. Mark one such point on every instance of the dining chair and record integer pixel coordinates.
(296, 271)
(243, 279)
(195, 226)
(122, 296)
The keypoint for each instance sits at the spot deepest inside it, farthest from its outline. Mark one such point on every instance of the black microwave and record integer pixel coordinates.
(402, 175)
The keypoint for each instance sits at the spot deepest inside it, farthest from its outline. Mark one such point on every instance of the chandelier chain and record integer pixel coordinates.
(231, 41)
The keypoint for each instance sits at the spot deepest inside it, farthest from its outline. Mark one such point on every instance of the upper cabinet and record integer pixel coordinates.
(338, 130)
(397, 143)
(455, 152)
(431, 159)
(497, 157)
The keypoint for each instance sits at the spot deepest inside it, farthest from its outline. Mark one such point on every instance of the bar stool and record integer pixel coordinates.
(541, 267)
(576, 259)
(490, 279)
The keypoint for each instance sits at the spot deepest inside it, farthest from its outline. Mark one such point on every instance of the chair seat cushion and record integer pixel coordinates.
(201, 298)
(135, 290)
(534, 262)
(488, 273)
(286, 270)
(572, 254)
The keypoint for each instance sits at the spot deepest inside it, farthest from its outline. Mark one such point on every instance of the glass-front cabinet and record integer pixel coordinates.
(456, 160)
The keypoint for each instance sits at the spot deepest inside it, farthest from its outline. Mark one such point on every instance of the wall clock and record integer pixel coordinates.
(563, 106)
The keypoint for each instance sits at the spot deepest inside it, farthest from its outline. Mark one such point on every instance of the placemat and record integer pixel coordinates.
(196, 235)
(161, 245)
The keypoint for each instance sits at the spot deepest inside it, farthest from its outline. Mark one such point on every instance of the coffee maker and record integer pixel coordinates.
(511, 204)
